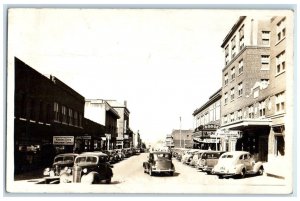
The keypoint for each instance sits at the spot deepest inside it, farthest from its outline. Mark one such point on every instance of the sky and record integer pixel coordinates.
(164, 63)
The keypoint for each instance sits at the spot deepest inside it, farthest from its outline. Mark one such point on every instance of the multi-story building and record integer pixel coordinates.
(48, 117)
(258, 64)
(182, 138)
(124, 132)
(169, 142)
(206, 122)
(99, 111)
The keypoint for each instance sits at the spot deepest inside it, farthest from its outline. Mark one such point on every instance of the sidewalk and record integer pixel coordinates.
(276, 170)
(33, 174)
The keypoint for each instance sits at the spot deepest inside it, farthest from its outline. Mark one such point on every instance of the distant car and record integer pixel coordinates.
(62, 163)
(112, 155)
(159, 162)
(90, 168)
(208, 160)
(195, 157)
(237, 163)
(187, 157)
(120, 154)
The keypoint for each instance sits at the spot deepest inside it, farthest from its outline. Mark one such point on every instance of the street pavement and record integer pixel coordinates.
(129, 177)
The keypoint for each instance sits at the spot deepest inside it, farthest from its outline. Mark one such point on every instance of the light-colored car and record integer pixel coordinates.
(159, 162)
(188, 155)
(237, 163)
(196, 156)
(62, 163)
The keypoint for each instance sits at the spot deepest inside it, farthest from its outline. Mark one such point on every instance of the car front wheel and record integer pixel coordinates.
(260, 171)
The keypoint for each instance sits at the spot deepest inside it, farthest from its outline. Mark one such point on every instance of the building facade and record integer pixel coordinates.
(48, 117)
(254, 88)
(169, 141)
(99, 111)
(206, 122)
(182, 138)
(124, 137)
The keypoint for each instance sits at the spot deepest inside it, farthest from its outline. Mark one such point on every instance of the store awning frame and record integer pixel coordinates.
(245, 123)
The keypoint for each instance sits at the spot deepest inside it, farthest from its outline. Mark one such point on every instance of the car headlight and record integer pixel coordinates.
(69, 170)
(84, 170)
(66, 168)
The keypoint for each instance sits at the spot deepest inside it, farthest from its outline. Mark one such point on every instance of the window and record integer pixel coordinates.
(241, 41)
(70, 116)
(266, 38)
(240, 89)
(233, 47)
(232, 117)
(80, 120)
(240, 115)
(64, 114)
(265, 62)
(24, 106)
(48, 115)
(233, 73)
(281, 30)
(241, 66)
(32, 110)
(262, 108)
(232, 94)
(226, 55)
(280, 62)
(56, 112)
(211, 114)
(256, 92)
(226, 79)
(225, 119)
(75, 118)
(226, 98)
(251, 112)
(206, 119)
(279, 102)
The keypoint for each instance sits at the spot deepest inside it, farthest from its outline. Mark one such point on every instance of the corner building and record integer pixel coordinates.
(258, 63)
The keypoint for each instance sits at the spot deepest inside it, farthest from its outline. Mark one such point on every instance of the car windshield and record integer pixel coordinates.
(64, 159)
(86, 159)
(161, 156)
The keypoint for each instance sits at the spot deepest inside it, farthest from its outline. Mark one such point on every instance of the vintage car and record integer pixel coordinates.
(89, 168)
(187, 157)
(62, 163)
(159, 162)
(195, 157)
(208, 160)
(120, 153)
(237, 163)
(112, 155)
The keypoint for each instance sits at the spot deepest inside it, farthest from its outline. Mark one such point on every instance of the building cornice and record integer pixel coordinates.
(232, 31)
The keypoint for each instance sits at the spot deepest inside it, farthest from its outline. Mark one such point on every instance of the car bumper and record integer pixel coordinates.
(159, 170)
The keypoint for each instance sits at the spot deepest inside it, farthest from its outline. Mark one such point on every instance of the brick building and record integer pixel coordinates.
(206, 122)
(182, 138)
(48, 116)
(254, 100)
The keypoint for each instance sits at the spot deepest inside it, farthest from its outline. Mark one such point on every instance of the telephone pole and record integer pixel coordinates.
(180, 131)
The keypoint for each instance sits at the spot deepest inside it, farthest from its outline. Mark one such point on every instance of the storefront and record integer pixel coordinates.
(204, 137)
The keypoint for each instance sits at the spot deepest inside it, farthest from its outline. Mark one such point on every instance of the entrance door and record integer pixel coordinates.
(263, 148)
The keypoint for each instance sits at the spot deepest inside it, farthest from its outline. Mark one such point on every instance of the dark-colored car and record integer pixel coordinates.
(62, 163)
(90, 168)
(159, 162)
(208, 160)
(112, 155)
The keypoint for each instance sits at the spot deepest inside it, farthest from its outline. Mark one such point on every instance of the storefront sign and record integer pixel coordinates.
(210, 126)
(227, 134)
(63, 140)
(209, 140)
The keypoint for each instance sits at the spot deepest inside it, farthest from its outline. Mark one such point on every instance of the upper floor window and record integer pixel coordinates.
(240, 88)
(280, 62)
(262, 108)
(241, 34)
(233, 47)
(41, 112)
(80, 120)
(241, 66)
(240, 115)
(226, 98)
(232, 94)
(226, 55)
(251, 112)
(70, 116)
(64, 114)
(75, 118)
(232, 117)
(279, 102)
(226, 79)
(56, 112)
(266, 38)
(281, 29)
(265, 62)
(241, 31)
(233, 73)
(225, 119)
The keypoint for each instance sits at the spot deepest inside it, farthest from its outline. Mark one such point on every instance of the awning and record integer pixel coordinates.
(247, 122)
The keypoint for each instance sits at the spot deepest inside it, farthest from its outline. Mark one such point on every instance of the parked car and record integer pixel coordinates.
(208, 160)
(186, 158)
(112, 156)
(195, 157)
(237, 163)
(159, 162)
(90, 168)
(62, 163)
(120, 153)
